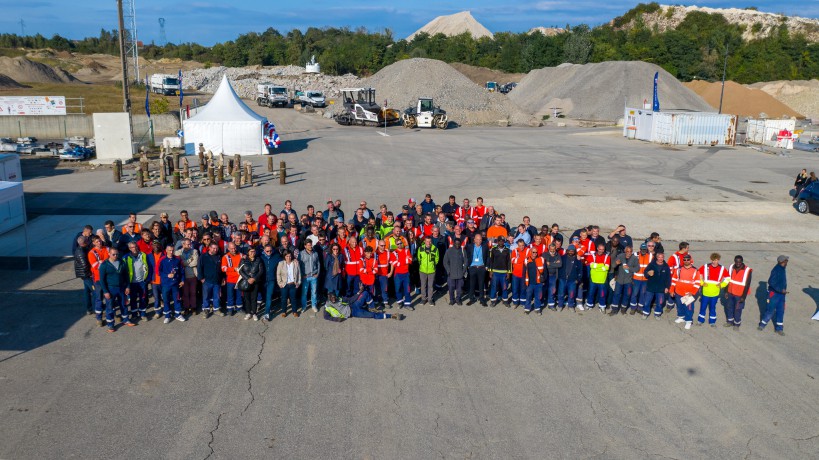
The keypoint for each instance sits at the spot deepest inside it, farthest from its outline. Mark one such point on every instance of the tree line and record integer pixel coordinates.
(694, 50)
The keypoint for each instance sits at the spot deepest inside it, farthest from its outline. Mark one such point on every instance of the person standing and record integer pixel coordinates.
(569, 277)
(800, 182)
(368, 271)
(382, 258)
(114, 284)
(251, 274)
(713, 277)
(675, 262)
(455, 266)
(626, 265)
(533, 274)
(658, 283)
(428, 258)
(500, 268)
(738, 288)
(210, 274)
(310, 265)
(270, 259)
(171, 275)
(334, 270)
(519, 257)
(552, 261)
(686, 283)
(190, 261)
(82, 270)
(230, 267)
(638, 292)
(598, 263)
(139, 273)
(288, 277)
(777, 290)
(401, 259)
(477, 257)
(352, 263)
(96, 256)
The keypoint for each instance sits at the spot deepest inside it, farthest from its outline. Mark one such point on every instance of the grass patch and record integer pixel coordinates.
(12, 52)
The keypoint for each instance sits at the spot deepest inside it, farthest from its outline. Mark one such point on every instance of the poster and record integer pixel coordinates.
(32, 105)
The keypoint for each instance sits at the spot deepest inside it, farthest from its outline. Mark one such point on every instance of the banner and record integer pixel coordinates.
(147, 101)
(180, 88)
(32, 105)
(656, 105)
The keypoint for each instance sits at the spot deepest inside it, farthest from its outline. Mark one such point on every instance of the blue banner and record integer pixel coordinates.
(147, 101)
(656, 105)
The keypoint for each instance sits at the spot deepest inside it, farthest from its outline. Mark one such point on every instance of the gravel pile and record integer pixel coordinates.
(465, 102)
(598, 91)
(801, 95)
(245, 79)
(24, 70)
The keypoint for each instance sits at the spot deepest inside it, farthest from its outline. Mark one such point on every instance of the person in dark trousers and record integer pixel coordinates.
(552, 261)
(251, 273)
(114, 283)
(270, 259)
(625, 266)
(569, 278)
(736, 292)
(777, 290)
(658, 282)
(171, 278)
(477, 257)
(500, 266)
(354, 306)
(82, 270)
(455, 265)
(210, 274)
(800, 182)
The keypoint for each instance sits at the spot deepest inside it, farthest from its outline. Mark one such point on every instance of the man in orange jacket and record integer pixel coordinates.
(686, 284)
(738, 288)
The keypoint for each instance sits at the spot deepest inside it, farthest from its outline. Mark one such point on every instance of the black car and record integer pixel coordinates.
(808, 200)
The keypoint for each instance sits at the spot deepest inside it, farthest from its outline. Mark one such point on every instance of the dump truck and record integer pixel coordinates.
(270, 95)
(167, 85)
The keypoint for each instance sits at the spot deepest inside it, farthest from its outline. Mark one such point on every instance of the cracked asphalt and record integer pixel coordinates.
(447, 382)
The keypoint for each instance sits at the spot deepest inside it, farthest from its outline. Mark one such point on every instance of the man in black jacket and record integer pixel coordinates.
(500, 265)
(658, 282)
(210, 274)
(455, 266)
(82, 270)
(477, 256)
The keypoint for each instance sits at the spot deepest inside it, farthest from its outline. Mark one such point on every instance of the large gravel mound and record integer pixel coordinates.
(465, 102)
(598, 91)
(25, 70)
(801, 95)
(741, 100)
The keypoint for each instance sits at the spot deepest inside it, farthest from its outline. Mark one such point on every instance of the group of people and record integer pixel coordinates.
(370, 262)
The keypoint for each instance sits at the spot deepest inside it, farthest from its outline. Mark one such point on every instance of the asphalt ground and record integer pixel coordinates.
(449, 381)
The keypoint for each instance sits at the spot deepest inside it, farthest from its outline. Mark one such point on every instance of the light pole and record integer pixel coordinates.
(122, 59)
(724, 69)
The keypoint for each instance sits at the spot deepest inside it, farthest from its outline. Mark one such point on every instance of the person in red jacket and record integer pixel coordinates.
(519, 257)
(737, 291)
(401, 259)
(353, 254)
(368, 271)
(385, 268)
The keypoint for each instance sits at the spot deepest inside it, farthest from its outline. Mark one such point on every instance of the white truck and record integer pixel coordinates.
(164, 84)
(313, 98)
(269, 95)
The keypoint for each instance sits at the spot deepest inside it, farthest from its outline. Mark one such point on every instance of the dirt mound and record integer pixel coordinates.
(24, 70)
(454, 24)
(741, 100)
(481, 75)
(8, 83)
(547, 31)
(598, 91)
(801, 95)
(465, 102)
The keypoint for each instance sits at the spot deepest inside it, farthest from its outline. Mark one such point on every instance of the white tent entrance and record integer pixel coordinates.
(225, 125)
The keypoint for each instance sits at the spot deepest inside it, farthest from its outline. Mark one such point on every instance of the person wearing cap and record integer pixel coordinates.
(737, 291)
(658, 283)
(638, 292)
(625, 265)
(713, 278)
(685, 281)
(777, 290)
(569, 276)
(499, 267)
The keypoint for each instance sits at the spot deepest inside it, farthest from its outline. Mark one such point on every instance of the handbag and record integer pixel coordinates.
(242, 284)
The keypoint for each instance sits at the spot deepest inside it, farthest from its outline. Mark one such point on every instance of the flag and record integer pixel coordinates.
(180, 88)
(656, 105)
(147, 102)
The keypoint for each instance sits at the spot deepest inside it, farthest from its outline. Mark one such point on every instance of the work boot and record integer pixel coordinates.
(728, 324)
(782, 333)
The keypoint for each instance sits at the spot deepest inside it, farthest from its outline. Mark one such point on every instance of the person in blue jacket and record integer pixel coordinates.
(777, 290)
(270, 259)
(114, 283)
(171, 278)
(569, 277)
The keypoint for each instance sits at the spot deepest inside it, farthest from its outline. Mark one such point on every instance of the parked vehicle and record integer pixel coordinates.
(164, 84)
(491, 86)
(425, 115)
(269, 95)
(74, 152)
(808, 199)
(7, 145)
(505, 89)
(359, 108)
(313, 98)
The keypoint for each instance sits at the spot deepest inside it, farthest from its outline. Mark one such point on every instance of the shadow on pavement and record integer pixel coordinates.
(761, 295)
(293, 146)
(80, 203)
(813, 293)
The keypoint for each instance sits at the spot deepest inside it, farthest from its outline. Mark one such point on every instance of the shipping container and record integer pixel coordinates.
(10, 168)
(694, 128)
(12, 206)
(638, 124)
(767, 132)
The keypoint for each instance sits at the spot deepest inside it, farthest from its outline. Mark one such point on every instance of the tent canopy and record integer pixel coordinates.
(225, 125)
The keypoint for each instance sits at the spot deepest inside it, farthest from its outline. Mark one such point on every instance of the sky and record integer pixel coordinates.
(212, 21)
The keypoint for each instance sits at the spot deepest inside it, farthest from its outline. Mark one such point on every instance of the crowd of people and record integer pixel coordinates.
(365, 264)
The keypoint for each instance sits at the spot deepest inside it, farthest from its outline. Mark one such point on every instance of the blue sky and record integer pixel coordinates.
(211, 21)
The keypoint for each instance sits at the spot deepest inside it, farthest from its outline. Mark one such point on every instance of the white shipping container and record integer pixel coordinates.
(765, 132)
(640, 122)
(693, 128)
(12, 213)
(10, 168)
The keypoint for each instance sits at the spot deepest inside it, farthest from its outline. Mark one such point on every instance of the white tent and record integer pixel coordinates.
(225, 125)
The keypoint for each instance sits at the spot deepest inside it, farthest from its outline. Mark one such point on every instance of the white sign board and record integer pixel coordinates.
(32, 105)
(112, 134)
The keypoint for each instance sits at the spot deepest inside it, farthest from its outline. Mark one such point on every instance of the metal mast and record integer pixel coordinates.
(131, 42)
(163, 39)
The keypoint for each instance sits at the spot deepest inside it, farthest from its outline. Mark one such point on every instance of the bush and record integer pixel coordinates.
(546, 117)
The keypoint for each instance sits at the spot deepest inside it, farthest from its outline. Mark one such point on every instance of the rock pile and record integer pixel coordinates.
(25, 70)
(801, 95)
(466, 103)
(245, 79)
(599, 91)
(741, 100)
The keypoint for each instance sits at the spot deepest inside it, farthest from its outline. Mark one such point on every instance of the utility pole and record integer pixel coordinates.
(22, 27)
(126, 97)
(724, 70)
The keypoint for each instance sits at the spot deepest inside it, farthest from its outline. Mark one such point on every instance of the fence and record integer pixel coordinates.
(62, 126)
